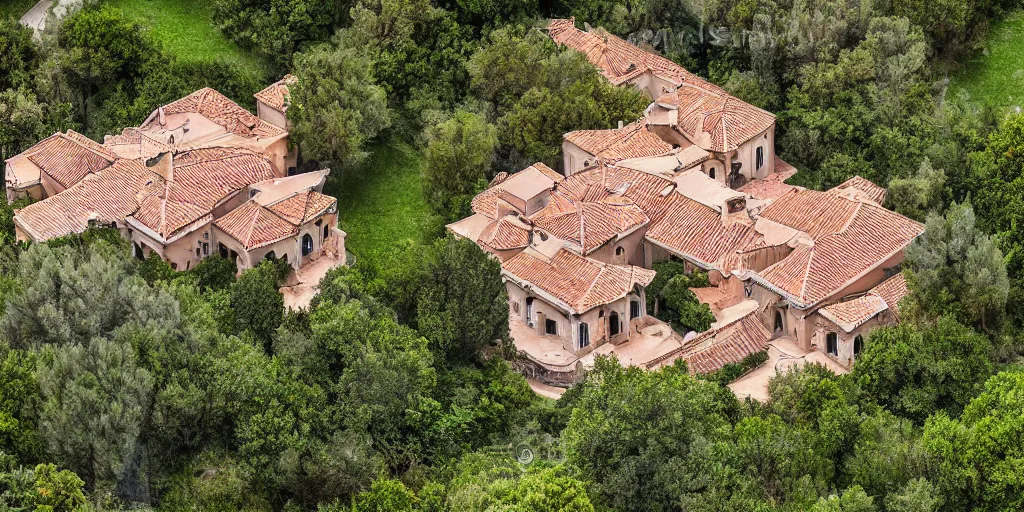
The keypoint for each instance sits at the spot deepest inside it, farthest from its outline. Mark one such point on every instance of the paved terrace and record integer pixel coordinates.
(650, 343)
(783, 354)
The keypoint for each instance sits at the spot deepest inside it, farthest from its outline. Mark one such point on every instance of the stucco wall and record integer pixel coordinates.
(271, 115)
(574, 159)
(633, 250)
(845, 356)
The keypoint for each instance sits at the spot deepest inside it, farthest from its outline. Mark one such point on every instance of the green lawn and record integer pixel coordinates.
(382, 206)
(996, 75)
(185, 28)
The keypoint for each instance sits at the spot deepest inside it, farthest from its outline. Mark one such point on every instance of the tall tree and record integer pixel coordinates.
(459, 155)
(980, 454)
(462, 304)
(336, 105)
(917, 370)
(957, 270)
(94, 399)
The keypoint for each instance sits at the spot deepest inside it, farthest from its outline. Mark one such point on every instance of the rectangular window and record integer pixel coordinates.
(832, 344)
(206, 249)
(634, 309)
(760, 158)
(584, 335)
(551, 326)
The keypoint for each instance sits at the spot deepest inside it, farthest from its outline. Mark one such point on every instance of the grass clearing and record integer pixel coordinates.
(381, 206)
(996, 74)
(185, 28)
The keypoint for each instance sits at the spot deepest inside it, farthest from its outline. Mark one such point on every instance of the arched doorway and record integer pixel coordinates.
(779, 328)
(307, 245)
(613, 324)
(858, 345)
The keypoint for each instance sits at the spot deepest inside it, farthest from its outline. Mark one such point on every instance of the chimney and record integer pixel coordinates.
(620, 124)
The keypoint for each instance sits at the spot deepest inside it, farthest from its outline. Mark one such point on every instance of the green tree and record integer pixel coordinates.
(70, 295)
(853, 499)
(336, 105)
(980, 453)
(99, 50)
(957, 270)
(635, 433)
(276, 29)
(577, 97)
(887, 456)
(918, 370)
(459, 155)
(18, 54)
(19, 406)
(920, 194)
(917, 496)
(385, 495)
(462, 304)
(257, 302)
(94, 400)
(24, 120)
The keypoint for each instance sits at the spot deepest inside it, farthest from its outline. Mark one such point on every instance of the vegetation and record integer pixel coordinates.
(993, 75)
(124, 384)
(184, 29)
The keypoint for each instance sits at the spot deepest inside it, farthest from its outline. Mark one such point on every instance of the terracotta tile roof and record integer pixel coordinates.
(728, 344)
(304, 206)
(774, 185)
(631, 141)
(69, 157)
(618, 60)
(865, 187)
(579, 283)
(255, 226)
(589, 224)
(107, 195)
(697, 231)
(892, 291)
(647, 191)
(536, 176)
(712, 120)
(850, 238)
(815, 213)
(505, 234)
(853, 313)
(221, 110)
(276, 94)
(200, 178)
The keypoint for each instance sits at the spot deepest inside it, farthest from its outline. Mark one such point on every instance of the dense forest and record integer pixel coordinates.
(126, 385)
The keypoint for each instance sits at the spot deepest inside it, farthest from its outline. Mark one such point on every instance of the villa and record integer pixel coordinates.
(199, 176)
(695, 180)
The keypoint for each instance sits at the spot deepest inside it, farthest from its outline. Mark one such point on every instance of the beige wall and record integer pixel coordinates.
(568, 326)
(652, 86)
(574, 159)
(746, 154)
(277, 153)
(271, 115)
(823, 326)
(632, 246)
(181, 253)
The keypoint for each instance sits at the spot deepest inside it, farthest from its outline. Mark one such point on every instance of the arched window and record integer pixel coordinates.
(759, 158)
(778, 322)
(529, 311)
(613, 323)
(711, 173)
(307, 244)
(858, 345)
(619, 251)
(327, 232)
(270, 256)
(832, 344)
(584, 335)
